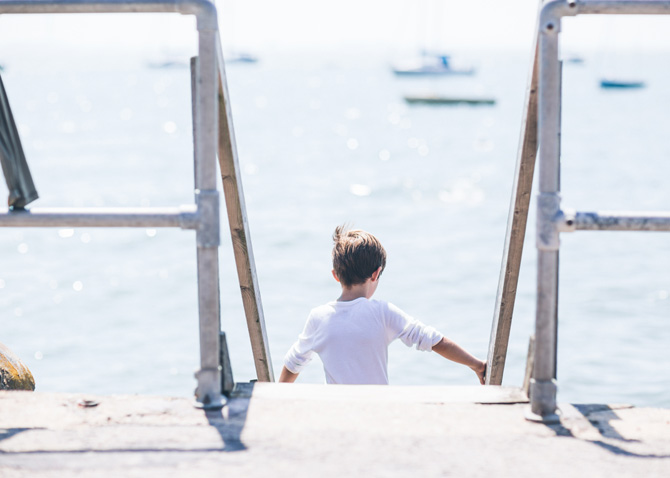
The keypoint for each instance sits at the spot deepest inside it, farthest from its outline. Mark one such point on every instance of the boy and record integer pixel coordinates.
(352, 334)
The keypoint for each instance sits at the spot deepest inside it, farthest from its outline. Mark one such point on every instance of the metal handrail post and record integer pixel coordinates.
(551, 220)
(543, 383)
(205, 217)
(208, 392)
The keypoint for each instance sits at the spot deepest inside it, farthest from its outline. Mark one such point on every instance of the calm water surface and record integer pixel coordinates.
(325, 138)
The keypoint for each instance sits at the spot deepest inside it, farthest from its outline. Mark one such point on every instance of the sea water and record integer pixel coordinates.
(325, 138)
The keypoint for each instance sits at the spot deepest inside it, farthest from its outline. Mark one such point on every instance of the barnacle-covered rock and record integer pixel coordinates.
(14, 375)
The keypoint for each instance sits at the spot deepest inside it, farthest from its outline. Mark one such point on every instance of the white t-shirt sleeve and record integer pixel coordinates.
(300, 353)
(410, 331)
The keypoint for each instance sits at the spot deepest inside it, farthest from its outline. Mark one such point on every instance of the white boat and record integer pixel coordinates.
(436, 64)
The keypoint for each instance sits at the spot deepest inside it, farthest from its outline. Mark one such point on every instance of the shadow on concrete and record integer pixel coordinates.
(602, 421)
(6, 433)
(229, 421)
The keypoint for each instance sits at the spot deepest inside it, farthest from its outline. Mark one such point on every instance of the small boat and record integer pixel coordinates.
(168, 64)
(621, 84)
(575, 60)
(431, 65)
(239, 57)
(433, 99)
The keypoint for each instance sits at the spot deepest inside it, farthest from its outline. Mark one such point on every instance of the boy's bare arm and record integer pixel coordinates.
(287, 376)
(454, 352)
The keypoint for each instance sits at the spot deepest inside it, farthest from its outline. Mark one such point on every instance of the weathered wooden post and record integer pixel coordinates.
(516, 232)
(239, 229)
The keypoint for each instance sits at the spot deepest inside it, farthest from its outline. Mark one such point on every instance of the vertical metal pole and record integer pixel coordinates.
(194, 114)
(208, 392)
(543, 383)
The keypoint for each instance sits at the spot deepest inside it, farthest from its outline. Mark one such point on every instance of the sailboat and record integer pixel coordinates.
(431, 64)
(432, 59)
(231, 53)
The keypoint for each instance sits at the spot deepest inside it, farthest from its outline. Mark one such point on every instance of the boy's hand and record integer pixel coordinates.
(480, 370)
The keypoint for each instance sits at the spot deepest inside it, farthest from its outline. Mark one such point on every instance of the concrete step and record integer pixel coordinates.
(299, 430)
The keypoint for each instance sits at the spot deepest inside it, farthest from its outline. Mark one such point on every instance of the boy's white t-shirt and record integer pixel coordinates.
(352, 340)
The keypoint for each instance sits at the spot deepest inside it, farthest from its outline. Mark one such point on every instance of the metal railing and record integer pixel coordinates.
(203, 216)
(551, 220)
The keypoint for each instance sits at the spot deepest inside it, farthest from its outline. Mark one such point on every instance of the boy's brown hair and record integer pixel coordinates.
(356, 255)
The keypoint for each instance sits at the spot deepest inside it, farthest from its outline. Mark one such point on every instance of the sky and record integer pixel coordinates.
(311, 24)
